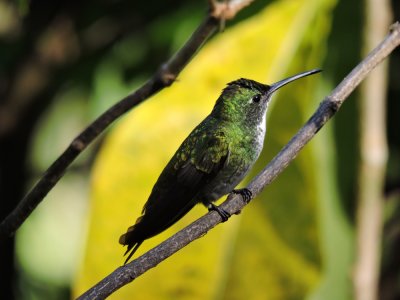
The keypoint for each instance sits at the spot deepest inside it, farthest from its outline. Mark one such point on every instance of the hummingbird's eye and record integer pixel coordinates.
(256, 98)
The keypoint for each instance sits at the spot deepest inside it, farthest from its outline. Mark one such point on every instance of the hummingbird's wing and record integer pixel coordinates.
(196, 162)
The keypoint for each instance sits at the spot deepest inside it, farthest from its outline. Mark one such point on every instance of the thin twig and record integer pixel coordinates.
(164, 77)
(373, 159)
(234, 204)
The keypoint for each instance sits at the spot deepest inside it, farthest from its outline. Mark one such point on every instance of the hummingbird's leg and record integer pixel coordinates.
(222, 212)
(245, 193)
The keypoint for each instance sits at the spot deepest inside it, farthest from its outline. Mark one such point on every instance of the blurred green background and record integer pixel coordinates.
(64, 62)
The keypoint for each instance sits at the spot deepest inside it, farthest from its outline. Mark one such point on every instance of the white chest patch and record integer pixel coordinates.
(261, 128)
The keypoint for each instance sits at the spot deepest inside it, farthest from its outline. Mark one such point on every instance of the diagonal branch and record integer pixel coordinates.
(234, 204)
(164, 77)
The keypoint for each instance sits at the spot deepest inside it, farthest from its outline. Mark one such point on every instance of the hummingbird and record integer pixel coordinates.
(211, 161)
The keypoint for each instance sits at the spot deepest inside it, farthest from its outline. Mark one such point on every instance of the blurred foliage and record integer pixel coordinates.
(134, 153)
(53, 266)
(62, 63)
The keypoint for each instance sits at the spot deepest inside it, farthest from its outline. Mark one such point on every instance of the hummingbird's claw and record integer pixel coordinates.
(222, 212)
(245, 193)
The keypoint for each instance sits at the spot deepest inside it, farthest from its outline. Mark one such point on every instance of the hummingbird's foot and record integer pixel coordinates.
(245, 193)
(222, 212)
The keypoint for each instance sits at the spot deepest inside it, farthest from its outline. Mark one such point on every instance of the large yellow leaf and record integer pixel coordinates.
(271, 250)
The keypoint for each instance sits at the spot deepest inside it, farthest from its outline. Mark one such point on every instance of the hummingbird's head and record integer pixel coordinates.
(243, 100)
(246, 100)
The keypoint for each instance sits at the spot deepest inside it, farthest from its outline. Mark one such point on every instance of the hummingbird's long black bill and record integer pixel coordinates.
(281, 83)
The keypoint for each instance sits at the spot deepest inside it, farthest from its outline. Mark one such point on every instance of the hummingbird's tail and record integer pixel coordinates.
(132, 249)
(129, 238)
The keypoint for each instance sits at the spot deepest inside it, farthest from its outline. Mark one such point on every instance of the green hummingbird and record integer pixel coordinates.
(211, 161)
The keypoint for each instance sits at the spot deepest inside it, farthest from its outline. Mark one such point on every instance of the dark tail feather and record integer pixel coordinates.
(132, 249)
(131, 239)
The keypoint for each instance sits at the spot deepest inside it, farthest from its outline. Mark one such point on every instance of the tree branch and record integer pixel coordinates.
(164, 77)
(234, 204)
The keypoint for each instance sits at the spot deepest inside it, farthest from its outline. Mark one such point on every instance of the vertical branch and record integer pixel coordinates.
(373, 147)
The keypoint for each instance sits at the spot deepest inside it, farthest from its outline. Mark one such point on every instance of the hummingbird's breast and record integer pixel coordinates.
(245, 145)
